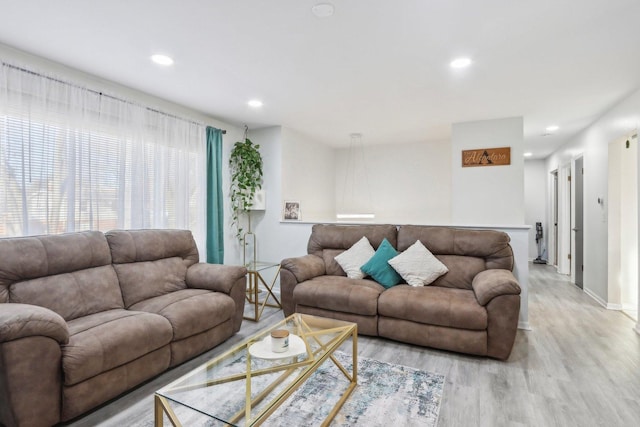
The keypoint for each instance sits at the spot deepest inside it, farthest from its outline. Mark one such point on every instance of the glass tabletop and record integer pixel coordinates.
(260, 265)
(247, 383)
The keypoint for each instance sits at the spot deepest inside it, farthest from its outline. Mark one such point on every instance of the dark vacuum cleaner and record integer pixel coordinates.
(540, 244)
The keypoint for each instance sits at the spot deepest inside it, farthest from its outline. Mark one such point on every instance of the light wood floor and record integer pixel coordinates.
(579, 366)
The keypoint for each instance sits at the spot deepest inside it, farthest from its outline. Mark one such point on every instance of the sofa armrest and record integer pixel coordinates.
(491, 283)
(26, 320)
(228, 279)
(304, 267)
(294, 271)
(214, 277)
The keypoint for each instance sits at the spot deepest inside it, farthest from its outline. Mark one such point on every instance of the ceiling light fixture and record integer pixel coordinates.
(528, 154)
(460, 63)
(322, 10)
(162, 59)
(552, 128)
(255, 103)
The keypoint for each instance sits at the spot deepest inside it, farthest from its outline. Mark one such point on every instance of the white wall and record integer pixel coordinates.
(409, 183)
(276, 241)
(308, 176)
(535, 198)
(493, 194)
(593, 143)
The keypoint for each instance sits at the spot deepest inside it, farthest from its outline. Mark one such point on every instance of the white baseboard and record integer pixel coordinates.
(607, 305)
(524, 326)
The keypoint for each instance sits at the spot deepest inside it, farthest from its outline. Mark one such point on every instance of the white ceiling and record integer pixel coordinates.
(378, 67)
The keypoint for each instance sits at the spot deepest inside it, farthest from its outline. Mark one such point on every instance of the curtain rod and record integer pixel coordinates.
(97, 92)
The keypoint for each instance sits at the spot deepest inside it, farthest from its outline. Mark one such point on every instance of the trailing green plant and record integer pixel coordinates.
(245, 165)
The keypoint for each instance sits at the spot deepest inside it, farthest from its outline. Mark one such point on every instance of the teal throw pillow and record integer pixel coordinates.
(379, 268)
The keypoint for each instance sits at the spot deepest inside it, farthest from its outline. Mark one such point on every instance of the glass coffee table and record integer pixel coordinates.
(248, 383)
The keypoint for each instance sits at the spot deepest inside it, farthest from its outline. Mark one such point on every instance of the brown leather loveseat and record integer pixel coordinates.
(86, 316)
(473, 308)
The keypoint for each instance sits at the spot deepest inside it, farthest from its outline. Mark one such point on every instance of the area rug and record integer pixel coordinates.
(387, 394)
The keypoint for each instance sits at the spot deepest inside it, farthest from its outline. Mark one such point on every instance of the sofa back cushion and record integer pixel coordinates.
(329, 240)
(464, 252)
(150, 263)
(70, 274)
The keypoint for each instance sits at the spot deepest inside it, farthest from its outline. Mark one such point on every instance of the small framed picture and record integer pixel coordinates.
(291, 211)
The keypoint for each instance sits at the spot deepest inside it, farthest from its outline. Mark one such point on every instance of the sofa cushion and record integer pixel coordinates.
(490, 245)
(418, 266)
(190, 311)
(378, 266)
(337, 293)
(150, 245)
(72, 295)
(332, 236)
(462, 270)
(148, 279)
(26, 258)
(103, 341)
(455, 308)
(332, 267)
(355, 257)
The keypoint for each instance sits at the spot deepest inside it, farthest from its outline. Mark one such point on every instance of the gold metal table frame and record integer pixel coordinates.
(322, 338)
(253, 291)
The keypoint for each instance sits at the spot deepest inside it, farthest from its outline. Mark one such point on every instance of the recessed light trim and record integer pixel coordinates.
(323, 10)
(161, 59)
(552, 128)
(528, 154)
(255, 103)
(463, 62)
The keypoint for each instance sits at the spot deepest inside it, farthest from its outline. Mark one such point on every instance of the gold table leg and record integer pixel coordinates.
(253, 289)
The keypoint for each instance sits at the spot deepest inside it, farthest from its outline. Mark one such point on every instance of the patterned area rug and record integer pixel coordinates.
(386, 395)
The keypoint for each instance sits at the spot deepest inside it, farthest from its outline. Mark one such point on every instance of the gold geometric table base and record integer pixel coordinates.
(253, 291)
(313, 330)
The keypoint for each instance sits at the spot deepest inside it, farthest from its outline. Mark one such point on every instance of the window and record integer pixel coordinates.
(73, 159)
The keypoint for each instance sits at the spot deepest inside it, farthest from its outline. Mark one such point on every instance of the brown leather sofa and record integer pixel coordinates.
(86, 316)
(473, 308)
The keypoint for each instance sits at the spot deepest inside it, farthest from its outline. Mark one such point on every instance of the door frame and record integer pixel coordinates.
(574, 211)
(564, 219)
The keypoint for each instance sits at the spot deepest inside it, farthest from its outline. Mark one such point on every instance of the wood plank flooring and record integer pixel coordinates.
(579, 366)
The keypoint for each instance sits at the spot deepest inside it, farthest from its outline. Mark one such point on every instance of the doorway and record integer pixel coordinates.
(578, 228)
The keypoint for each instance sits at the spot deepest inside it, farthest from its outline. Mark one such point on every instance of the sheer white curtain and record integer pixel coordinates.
(74, 159)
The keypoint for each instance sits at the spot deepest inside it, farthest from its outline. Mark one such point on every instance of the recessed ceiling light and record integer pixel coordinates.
(552, 128)
(460, 63)
(528, 154)
(322, 10)
(255, 103)
(162, 59)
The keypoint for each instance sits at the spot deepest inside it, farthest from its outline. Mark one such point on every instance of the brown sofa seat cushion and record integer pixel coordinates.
(337, 293)
(190, 311)
(431, 305)
(103, 341)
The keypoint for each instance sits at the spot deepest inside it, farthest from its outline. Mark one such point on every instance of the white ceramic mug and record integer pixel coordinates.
(279, 340)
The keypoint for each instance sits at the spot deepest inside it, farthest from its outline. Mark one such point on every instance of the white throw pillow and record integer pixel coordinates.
(417, 265)
(355, 257)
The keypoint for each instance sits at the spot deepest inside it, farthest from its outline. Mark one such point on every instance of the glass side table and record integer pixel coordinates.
(256, 279)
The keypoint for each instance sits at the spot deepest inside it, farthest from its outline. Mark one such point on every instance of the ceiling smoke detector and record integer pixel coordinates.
(323, 10)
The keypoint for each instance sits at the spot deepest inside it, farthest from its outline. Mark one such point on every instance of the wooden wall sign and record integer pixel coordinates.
(486, 157)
